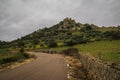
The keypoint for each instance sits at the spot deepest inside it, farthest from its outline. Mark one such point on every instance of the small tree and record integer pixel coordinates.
(87, 28)
(51, 43)
(35, 42)
(112, 35)
(21, 45)
(70, 42)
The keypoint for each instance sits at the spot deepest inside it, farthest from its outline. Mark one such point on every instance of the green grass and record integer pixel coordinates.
(105, 50)
(4, 51)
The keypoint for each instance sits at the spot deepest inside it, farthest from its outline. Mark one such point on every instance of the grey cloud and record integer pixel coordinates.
(20, 17)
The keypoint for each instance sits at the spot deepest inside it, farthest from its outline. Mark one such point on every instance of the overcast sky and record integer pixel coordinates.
(21, 17)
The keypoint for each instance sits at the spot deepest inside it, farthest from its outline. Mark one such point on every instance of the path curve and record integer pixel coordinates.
(45, 67)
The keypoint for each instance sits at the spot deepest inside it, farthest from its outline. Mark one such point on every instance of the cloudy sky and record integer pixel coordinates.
(21, 17)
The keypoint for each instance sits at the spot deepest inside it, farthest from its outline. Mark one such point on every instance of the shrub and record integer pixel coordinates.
(86, 28)
(71, 51)
(51, 43)
(7, 58)
(4, 51)
(37, 47)
(112, 35)
(22, 50)
(70, 42)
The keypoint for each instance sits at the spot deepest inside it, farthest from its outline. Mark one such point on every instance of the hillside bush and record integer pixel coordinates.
(70, 51)
(51, 43)
(11, 57)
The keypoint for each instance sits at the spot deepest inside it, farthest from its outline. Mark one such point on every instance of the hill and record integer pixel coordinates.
(66, 33)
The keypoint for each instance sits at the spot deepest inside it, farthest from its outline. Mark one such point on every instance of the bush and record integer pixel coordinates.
(13, 57)
(70, 51)
(51, 43)
(4, 51)
(115, 35)
(7, 59)
(22, 50)
(87, 28)
(70, 42)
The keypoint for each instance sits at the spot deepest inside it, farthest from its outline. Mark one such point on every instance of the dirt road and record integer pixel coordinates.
(45, 67)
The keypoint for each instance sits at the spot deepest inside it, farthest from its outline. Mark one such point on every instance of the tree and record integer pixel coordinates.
(35, 42)
(70, 42)
(112, 35)
(87, 28)
(21, 45)
(51, 43)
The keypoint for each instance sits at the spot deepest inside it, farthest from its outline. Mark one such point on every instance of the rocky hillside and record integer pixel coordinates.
(66, 33)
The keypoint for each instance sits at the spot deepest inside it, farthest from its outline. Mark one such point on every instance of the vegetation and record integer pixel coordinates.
(21, 46)
(86, 37)
(68, 33)
(105, 50)
(6, 56)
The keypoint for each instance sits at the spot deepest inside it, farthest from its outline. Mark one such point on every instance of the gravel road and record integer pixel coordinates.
(45, 67)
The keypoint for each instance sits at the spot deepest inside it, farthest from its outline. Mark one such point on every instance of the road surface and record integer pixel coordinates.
(45, 67)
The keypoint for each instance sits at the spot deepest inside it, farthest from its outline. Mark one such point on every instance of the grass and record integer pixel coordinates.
(4, 51)
(7, 56)
(105, 50)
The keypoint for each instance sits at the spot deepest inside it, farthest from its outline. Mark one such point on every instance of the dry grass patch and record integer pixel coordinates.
(76, 71)
(14, 64)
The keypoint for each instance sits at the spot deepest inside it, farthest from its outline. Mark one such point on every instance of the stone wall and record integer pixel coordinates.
(98, 69)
